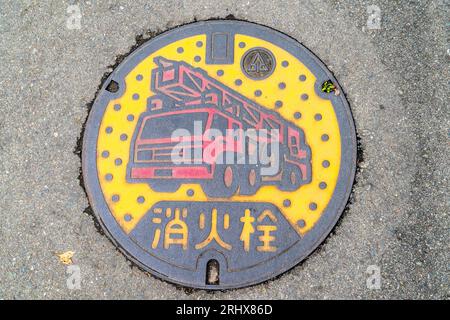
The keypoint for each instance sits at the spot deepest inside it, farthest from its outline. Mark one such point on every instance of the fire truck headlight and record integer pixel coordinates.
(145, 155)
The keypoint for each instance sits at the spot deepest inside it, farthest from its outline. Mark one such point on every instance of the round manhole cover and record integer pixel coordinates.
(219, 154)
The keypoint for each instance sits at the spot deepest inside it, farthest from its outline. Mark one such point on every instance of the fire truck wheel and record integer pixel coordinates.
(290, 178)
(224, 184)
(250, 180)
(164, 186)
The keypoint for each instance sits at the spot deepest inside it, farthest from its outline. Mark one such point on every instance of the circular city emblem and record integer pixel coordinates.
(219, 154)
(258, 63)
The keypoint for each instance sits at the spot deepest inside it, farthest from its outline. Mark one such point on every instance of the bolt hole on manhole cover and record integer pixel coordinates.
(219, 154)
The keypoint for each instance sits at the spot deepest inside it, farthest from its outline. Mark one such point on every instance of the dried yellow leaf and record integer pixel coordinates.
(66, 257)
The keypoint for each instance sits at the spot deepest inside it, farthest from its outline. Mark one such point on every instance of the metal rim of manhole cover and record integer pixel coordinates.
(219, 154)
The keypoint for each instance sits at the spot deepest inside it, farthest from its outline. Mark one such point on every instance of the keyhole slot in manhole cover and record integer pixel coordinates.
(213, 272)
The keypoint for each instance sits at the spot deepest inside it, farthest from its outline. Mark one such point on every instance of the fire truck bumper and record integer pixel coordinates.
(175, 172)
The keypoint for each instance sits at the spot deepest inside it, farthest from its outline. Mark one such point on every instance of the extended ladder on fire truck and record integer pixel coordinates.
(187, 86)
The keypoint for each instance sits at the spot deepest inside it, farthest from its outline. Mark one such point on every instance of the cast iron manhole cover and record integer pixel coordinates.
(219, 154)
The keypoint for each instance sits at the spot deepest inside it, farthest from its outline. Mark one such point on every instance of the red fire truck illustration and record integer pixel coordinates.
(186, 96)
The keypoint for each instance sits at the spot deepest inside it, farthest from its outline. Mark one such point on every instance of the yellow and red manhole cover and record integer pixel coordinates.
(219, 154)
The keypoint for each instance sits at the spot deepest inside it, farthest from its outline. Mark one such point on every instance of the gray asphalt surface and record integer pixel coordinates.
(395, 78)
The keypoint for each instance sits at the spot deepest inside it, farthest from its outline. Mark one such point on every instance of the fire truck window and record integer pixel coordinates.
(236, 132)
(220, 123)
(145, 155)
(163, 127)
(294, 145)
(293, 140)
